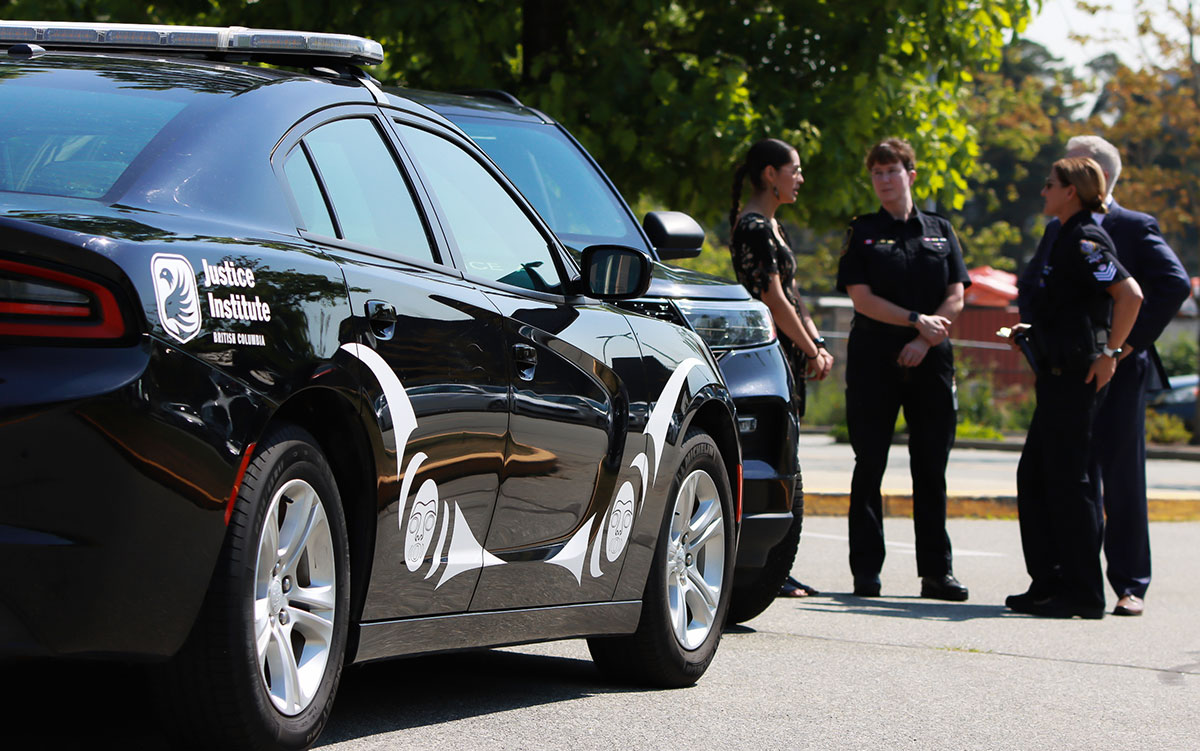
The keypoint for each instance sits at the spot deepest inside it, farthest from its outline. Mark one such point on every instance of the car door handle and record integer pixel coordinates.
(525, 358)
(382, 317)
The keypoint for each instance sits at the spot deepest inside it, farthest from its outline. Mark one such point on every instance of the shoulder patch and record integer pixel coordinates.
(1087, 247)
(1105, 273)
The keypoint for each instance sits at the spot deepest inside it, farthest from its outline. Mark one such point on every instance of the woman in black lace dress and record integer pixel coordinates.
(763, 258)
(766, 266)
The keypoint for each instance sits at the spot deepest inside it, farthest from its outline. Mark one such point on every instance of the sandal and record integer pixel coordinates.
(792, 587)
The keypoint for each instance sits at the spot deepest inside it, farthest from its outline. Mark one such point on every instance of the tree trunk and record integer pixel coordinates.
(543, 36)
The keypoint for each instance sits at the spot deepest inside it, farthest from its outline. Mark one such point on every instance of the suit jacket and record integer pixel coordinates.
(1142, 250)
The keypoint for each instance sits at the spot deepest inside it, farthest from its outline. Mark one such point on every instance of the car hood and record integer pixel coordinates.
(676, 282)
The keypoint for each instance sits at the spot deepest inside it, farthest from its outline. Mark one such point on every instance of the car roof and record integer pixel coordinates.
(484, 102)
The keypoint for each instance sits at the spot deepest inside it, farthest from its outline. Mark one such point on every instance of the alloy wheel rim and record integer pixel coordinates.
(295, 593)
(695, 559)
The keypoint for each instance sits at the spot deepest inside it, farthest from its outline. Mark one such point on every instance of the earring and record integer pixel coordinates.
(775, 191)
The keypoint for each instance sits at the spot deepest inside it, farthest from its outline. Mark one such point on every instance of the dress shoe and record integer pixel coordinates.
(1130, 605)
(943, 588)
(1023, 602)
(866, 586)
(1052, 606)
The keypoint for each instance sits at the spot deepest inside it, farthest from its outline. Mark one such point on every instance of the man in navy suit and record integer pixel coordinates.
(1119, 433)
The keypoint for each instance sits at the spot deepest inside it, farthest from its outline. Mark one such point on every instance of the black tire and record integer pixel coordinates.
(754, 593)
(224, 690)
(659, 653)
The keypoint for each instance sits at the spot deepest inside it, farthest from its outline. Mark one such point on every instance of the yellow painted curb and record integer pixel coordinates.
(972, 507)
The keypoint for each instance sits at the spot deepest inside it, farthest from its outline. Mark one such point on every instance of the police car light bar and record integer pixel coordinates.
(233, 40)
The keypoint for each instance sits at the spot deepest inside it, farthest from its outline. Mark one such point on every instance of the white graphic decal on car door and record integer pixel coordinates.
(422, 520)
(616, 524)
(429, 514)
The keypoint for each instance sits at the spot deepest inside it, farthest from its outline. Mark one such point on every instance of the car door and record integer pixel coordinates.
(429, 350)
(569, 410)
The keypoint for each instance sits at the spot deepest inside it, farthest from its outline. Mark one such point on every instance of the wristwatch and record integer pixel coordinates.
(820, 342)
(913, 316)
(1113, 353)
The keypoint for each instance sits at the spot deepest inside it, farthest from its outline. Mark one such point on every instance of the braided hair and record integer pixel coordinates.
(769, 152)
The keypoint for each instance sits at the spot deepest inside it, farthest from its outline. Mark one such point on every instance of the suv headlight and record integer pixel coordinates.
(729, 323)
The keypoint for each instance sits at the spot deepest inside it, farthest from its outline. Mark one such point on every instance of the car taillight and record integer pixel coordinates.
(41, 302)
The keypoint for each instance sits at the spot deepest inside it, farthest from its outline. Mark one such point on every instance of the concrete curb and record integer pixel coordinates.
(1153, 451)
(985, 507)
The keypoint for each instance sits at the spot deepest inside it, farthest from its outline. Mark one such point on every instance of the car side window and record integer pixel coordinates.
(371, 200)
(495, 238)
(307, 193)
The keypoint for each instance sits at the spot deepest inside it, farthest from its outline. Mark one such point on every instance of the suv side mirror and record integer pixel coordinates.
(673, 234)
(615, 272)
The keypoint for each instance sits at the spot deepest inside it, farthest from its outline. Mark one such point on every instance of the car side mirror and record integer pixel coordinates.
(615, 272)
(673, 234)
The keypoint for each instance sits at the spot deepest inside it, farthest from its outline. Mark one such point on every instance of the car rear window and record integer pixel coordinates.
(69, 142)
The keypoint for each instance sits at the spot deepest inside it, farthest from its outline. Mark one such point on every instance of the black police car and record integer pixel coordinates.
(291, 377)
(572, 193)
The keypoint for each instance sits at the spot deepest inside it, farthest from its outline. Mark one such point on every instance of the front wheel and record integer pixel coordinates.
(687, 592)
(262, 664)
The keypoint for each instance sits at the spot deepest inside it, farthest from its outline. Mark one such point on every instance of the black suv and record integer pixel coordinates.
(580, 203)
(291, 376)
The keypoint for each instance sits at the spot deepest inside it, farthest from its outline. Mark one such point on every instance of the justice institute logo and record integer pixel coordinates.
(177, 295)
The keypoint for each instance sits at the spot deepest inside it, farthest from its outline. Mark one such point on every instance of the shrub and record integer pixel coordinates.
(968, 430)
(1163, 428)
(826, 403)
(1180, 355)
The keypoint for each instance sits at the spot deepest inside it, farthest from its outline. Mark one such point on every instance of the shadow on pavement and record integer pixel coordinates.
(906, 606)
(385, 697)
(50, 705)
(53, 705)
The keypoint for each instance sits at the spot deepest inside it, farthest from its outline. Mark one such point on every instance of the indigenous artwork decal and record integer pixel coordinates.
(424, 516)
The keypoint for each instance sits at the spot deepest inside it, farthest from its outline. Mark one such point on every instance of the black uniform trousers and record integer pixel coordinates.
(1119, 464)
(1060, 517)
(876, 388)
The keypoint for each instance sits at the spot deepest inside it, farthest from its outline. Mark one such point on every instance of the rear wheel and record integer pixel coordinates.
(755, 592)
(687, 592)
(262, 664)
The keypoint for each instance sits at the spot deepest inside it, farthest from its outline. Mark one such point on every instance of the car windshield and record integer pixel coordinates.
(557, 179)
(67, 141)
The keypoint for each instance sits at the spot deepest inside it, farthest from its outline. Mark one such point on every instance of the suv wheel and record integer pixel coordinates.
(754, 594)
(262, 665)
(687, 592)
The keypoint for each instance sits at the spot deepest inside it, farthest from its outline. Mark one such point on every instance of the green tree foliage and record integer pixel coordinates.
(1022, 113)
(667, 95)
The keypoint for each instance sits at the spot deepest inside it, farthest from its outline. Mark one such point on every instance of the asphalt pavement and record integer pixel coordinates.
(980, 482)
(836, 672)
(827, 673)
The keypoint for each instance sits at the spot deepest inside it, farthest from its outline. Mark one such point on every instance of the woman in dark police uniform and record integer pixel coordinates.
(766, 267)
(1083, 308)
(903, 269)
